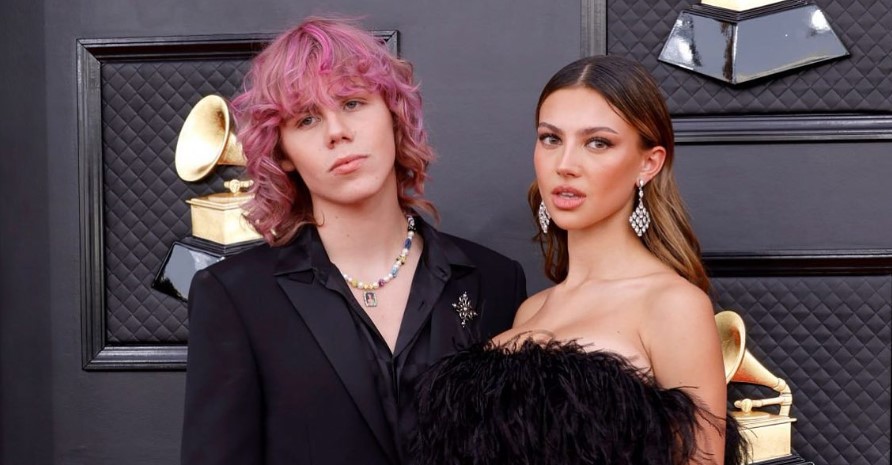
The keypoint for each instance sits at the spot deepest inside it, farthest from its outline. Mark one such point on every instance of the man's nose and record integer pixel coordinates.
(337, 129)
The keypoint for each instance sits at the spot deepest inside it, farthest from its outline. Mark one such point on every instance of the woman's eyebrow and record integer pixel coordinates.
(583, 131)
(550, 127)
(594, 129)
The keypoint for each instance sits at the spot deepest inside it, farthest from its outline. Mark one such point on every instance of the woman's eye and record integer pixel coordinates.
(599, 144)
(549, 139)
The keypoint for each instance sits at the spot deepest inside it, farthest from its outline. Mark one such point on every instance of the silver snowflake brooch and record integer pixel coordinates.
(464, 309)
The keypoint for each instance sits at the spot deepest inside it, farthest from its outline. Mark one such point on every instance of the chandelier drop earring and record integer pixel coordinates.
(640, 219)
(544, 217)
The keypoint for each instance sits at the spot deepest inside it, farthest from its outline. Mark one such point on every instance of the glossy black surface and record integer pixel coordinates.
(740, 47)
(186, 258)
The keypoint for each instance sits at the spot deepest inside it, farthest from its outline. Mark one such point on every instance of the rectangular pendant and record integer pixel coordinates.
(371, 300)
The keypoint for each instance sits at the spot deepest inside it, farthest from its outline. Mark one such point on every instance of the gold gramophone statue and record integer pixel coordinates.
(769, 434)
(219, 229)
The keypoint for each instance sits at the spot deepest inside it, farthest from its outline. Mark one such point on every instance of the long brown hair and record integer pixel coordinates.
(634, 95)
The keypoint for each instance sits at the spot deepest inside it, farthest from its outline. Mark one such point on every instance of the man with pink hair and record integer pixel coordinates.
(307, 349)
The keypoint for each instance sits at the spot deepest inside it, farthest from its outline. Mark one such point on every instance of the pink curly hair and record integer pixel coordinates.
(316, 63)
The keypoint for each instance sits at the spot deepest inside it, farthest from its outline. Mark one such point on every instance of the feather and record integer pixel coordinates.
(554, 404)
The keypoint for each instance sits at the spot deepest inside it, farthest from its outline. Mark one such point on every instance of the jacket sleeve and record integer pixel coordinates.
(222, 417)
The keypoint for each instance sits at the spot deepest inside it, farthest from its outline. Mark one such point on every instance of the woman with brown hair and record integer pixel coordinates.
(620, 361)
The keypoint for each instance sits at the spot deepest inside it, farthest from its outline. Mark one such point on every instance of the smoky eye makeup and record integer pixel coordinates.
(599, 143)
(548, 138)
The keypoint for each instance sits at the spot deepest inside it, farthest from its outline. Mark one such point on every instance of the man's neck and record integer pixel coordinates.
(370, 233)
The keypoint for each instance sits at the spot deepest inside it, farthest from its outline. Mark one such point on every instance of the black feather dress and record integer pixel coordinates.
(555, 404)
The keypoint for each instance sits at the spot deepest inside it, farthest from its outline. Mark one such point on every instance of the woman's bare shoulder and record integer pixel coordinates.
(681, 338)
(673, 298)
(530, 307)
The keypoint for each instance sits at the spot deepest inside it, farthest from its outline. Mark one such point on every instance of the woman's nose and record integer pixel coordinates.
(567, 165)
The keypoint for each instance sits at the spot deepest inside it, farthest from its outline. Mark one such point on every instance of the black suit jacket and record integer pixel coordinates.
(277, 373)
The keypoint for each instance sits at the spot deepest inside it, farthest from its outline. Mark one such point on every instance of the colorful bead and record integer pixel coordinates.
(369, 297)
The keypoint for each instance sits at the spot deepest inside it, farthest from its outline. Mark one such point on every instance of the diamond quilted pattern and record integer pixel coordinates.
(860, 82)
(829, 338)
(143, 107)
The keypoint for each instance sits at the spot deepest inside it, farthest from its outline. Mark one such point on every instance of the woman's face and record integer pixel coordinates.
(588, 160)
(345, 154)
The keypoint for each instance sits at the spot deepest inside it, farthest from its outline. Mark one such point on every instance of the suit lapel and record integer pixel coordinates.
(326, 315)
(426, 287)
(436, 296)
(439, 298)
(447, 332)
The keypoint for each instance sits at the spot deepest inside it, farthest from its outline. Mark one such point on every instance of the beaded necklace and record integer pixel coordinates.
(369, 298)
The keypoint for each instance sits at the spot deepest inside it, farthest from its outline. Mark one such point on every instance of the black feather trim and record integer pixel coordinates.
(554, 404)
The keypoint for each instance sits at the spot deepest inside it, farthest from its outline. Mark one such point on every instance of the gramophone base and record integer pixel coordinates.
(768, 435)
(220, 218)
(187, 257)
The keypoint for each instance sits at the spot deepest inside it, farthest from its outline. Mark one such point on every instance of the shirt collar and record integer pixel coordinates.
(442, 255)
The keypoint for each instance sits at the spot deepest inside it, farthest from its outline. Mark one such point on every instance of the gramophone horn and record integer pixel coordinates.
(742, 367)
(207, 139)
(732, 332)
(751, 371)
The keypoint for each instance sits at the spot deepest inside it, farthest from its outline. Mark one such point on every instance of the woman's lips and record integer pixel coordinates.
(347, 164)
(567, 198)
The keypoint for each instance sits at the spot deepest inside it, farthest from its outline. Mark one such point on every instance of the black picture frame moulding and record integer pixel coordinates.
(97, 354)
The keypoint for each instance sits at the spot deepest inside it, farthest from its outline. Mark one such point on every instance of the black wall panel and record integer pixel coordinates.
(26, 347)
(481, 66)
(821, 322)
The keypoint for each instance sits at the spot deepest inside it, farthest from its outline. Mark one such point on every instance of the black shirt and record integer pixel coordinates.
(395, 372)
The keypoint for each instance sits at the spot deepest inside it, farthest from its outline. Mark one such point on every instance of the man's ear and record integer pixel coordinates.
(652, 162)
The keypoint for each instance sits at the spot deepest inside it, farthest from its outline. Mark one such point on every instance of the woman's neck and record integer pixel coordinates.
(606, 252)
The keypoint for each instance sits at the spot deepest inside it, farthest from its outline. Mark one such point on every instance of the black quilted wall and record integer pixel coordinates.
(143, 107)
(829, 338)
(861, 82)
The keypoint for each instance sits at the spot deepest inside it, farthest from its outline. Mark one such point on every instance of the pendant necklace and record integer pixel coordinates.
(369, 298)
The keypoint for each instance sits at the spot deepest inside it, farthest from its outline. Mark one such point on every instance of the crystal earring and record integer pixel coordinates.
(640, 219)
(544, 217)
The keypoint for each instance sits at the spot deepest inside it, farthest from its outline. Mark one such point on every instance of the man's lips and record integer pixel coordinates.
(567, 198)
(347, 164)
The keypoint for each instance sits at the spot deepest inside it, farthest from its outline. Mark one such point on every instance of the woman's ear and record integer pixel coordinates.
(652, 162)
